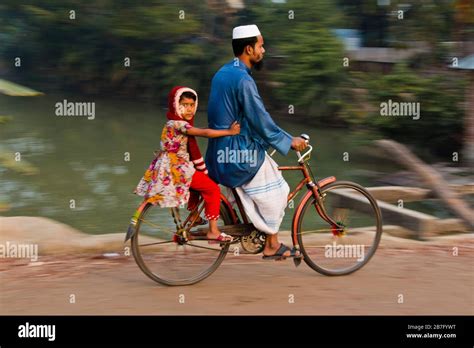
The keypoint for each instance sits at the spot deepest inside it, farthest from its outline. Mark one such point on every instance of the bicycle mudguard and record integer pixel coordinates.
(326, 181)
(133, 223)
(308, 195)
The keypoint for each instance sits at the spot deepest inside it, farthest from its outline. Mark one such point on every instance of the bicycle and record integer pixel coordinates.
(175, 252)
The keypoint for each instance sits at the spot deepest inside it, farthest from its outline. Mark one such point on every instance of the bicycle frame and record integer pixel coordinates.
(308, 180)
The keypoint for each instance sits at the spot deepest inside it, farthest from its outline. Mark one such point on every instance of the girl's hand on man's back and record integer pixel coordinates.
(235, 128)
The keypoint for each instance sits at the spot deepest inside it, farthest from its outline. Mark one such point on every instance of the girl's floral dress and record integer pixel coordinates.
(167, 180)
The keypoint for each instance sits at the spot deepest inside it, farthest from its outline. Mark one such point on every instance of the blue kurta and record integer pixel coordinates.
(234, 160)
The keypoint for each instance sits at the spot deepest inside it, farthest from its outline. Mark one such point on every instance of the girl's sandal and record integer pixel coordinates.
(223, 238)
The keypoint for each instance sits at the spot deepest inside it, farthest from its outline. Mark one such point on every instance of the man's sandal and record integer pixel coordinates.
(280, 254)
(223, 238)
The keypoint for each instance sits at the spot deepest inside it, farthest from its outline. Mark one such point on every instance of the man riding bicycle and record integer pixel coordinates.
(259, 184)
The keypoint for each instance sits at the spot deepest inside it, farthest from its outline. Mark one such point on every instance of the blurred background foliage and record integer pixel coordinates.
(305, 67)
(440, 127)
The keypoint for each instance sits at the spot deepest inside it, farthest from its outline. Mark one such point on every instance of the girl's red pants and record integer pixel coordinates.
(209, 191)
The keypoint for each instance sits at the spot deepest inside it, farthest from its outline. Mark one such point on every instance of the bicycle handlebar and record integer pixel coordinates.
(302, 156)
(307, 153)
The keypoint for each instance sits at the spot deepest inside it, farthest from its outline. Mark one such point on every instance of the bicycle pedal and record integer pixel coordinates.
(297, 261)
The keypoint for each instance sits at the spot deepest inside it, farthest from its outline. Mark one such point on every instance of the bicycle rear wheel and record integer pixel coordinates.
(164, 257)
(339, 250)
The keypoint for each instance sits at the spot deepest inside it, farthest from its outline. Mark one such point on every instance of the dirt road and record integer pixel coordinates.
(402, 278)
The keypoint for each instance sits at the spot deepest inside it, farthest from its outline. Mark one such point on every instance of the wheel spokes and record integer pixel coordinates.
(341, 249)
(163, 252)
(203, 247)
(156, 243)
(316, 231)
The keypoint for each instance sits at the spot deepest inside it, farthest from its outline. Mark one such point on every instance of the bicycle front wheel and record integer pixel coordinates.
(164, 257)
(344, 249)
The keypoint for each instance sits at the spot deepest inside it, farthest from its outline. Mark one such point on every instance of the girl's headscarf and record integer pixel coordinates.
(175, 114)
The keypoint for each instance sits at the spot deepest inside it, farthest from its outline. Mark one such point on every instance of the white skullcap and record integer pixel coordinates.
(245, 31)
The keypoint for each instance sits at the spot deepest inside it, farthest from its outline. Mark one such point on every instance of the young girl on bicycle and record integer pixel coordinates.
(179, 165)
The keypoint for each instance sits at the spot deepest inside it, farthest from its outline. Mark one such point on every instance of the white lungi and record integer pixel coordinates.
(265, 197)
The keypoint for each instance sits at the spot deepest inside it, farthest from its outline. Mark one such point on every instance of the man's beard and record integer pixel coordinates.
(258, 65)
